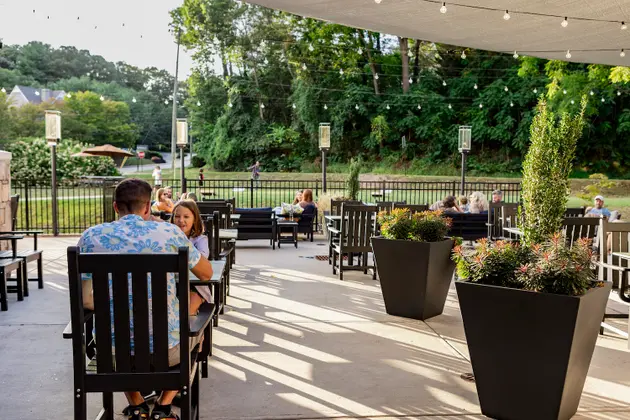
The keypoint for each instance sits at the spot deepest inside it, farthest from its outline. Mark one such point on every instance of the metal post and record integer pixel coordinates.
(324, 171)
(55, 221)
(251, 193)
(182, 171)
(464, 154)
(174, 123)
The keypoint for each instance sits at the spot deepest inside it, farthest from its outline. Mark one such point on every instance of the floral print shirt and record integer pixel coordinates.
(132, 234)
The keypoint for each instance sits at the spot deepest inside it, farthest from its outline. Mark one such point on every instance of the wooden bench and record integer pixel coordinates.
(146, 368)
(6, 267)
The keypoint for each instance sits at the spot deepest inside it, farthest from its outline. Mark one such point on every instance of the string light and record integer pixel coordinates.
(198, 103)
(572, 102)
(506, 88)
(463, 55)
(443, 82)
(443, 9)
(564, 91)
(603, 100)
(325, 106)
(388, 108)
(568, 54)
(294, 106)
(565, 22)
(450, 106)
(378, 1)
(419, 106)
(535, 90)
(230, 104)
(480, 106)
(618, 93)
(511, 104)
(360, 51)
(515, 54)
(592, 93)
(341, 72)
(411, 80)
(303, 66)
(102, 98)
(356, 107)
(311, 48)
(476, 87)
(262, 106)
(624, 26)
(165, 101)
(37, 93)
(622, 53)
(134, 100)
(376, 76)
(506, 16)
(69, 95)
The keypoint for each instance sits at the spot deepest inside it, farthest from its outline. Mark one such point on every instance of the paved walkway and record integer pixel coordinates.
(295, 343)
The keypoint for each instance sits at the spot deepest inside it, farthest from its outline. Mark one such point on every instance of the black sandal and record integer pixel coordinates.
(136, 412)
(159, 415)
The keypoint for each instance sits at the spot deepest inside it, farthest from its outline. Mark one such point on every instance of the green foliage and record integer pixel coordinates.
(598, 187)
(426, 226)
(31, 161)
(197, 162)
(494, 264)
(546, 171)
(558, 268)
(352, 183)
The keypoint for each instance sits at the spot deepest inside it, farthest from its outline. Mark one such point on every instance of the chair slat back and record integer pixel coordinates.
(613, 237)
(15, 200)
(495, 226)
(335, 206)
(414, 208)
(358, 226)
(212, 226)
(208, 209)
(575, 228)
(509, 219)
(574, 212)
(231, 201)
(129, 281)
(387, 206)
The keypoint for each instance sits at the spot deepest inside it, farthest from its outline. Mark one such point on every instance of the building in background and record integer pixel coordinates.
(22, 95)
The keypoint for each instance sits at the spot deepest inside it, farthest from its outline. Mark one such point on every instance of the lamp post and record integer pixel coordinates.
(53, 136)
(324, 146)
(465, 139)
(182, 142)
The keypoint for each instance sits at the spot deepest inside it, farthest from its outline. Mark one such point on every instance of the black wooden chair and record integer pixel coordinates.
(26, 255)
(357, 228)
(335, 210)
(576, 227)
(306, 221)
(7, 266)
(614, 237)
(123, 371)
(509, 219)
(212, 226)
(494, 223)
(574, 212)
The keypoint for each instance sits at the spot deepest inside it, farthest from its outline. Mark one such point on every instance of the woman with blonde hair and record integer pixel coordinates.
(477, 203)
(163, 202)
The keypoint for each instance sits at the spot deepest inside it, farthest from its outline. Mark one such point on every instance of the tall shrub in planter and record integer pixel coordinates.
(546, 171)
(352, 183)
(532, 311)
(413, 262)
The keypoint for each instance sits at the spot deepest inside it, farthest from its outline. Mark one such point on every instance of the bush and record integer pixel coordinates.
(428, 226)
(197, 162)
(352, 183)
(546, 171)
(151, 153)
(31, 161)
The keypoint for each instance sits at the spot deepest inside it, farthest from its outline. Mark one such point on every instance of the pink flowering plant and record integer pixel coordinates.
(548, 267)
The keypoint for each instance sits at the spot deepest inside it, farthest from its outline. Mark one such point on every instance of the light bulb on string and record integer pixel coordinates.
(134, 100)
(622, 53)
(303, 66)
(419, 106)
(443, 9)
(341, 72)
(311, 48)
(388, 108)
(565, 22)
(618, 93)
(198, 103)
(568, 54)
(262, 106)
(325, 106)
(564, 91)
(515, 55)
(230, 105)
(624, 26)
(591, 93)
(476, 87)
(603, 100)
(535, 90)
(411, 80)
(3, 90)
(450, 106)
(506, 88)
(506, 16)
(511, 104)
(69, 95)
(480, 106)
(572, 102)
(376, 76)
(378, 1)
(463, 55)
(443, 82)
(102, 98)
(36, 93)
(356, 107)
(294, 106)
(360, 51)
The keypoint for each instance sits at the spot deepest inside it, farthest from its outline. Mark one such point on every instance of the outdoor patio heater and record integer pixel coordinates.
(324, 146)
(53, 137)
(182, 142)
(465, 140)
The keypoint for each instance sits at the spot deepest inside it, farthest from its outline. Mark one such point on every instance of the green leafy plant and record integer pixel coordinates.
(197, 162)
(549, 267)
(428, 226)
(546, 171)
(352, 184)
(600, 184)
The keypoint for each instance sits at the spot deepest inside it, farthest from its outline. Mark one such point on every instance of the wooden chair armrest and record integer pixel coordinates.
(22, 232)
(67, 332)
(611, 266)
(333, 230)
(197, 324)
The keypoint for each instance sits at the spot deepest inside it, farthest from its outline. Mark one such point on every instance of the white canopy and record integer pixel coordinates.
(534, 27)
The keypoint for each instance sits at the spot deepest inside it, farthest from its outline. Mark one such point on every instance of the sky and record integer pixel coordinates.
(99, 29)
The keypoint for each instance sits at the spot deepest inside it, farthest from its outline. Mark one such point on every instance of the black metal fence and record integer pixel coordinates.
(82, 204)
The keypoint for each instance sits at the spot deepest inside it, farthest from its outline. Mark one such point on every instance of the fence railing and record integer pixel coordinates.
(83, 204)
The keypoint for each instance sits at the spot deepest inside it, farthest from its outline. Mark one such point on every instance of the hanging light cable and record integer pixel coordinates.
(506, 16)
(565, 22)
(443, 9)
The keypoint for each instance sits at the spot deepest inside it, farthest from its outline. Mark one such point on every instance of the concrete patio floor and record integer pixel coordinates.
(294, 343)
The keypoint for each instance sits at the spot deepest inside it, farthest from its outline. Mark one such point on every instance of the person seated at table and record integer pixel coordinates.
(599, 210)
(463, 204)
(163, 202)
(449, 205)
(497, 196)
(187, 217)
(478, 204)
(438, 205)
(134, 232)
(307, 201)
(298, 197)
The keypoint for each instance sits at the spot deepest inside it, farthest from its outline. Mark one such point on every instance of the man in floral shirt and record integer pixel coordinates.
(135, 232)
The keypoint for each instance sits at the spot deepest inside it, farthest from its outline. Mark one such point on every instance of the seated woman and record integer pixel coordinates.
(298, 197)
(186, 216)
(163, 202)
(307, 201)
(305, 224)
(478, 204)
(449, 205)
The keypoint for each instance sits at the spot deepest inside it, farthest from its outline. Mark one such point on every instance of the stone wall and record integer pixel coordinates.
(5, 194)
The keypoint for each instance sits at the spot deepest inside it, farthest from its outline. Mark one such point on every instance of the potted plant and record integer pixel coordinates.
(532, 311)
(413, 262)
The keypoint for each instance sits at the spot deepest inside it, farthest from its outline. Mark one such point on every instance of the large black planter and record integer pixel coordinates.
(530, 352)
(415, 276)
